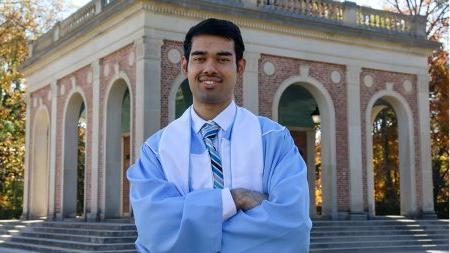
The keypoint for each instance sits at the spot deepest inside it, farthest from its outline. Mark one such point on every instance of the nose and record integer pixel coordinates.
(209, 67)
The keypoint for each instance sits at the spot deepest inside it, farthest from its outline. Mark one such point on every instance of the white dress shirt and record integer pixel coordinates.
(201, 178)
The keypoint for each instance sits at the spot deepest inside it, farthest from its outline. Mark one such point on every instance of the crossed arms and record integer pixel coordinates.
(169, 222)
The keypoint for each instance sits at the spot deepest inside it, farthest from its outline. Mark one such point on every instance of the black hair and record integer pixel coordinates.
(217, 27)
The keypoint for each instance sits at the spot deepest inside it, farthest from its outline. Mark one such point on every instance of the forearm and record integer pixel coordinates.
(272, 225)
(245, 199)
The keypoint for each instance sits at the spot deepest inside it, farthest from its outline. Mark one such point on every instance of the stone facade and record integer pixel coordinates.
(137, 46)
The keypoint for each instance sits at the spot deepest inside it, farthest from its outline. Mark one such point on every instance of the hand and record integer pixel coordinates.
(245, 199)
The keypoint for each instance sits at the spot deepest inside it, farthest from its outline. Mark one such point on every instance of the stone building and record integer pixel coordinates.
(108, 77)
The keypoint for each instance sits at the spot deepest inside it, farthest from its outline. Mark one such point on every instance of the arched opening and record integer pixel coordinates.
(393, 159)
(385, 159)
(75, 126)
(40, 168)
(118, 150)
(301, 108)
(327, 143)
(183, 98)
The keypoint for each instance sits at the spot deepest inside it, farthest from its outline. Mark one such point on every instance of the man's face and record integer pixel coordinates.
(212, 70)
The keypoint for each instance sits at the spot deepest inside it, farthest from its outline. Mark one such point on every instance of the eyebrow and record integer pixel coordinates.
(222, 53)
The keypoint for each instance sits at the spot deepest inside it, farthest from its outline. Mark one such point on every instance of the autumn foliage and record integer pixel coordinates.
(20, 22)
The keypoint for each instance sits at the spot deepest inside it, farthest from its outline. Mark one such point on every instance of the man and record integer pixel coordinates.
(219, 179)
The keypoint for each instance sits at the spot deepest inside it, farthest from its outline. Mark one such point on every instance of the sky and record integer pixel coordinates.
(376, 4)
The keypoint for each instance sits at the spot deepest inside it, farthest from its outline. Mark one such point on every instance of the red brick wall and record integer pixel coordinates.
(380, 78)
(118, 58)
(287, 67)
(86, 87)
(169, 71)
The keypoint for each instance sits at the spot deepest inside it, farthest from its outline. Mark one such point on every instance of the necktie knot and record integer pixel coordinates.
(209, 130)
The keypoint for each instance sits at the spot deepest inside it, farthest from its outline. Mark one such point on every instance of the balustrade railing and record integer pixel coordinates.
(384, 20)
(68, 25)
(325, 9)
(78, 18)
(349, 13)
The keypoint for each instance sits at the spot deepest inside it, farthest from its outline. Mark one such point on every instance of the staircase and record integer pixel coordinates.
(66, 237)
(383, 235)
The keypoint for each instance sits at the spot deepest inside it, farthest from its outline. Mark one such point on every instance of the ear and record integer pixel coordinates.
(241, 66)
(184, 65)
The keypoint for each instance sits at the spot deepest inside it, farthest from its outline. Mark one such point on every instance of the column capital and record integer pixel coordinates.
(148, 48)
(252, 59)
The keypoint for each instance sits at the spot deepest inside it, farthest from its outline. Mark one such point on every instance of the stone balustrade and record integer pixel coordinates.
(342, 13)
(383, 20)
(325, 9)
(84, 14)
(64, 28)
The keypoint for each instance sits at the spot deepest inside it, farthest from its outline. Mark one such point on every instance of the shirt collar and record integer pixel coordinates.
(224, 119)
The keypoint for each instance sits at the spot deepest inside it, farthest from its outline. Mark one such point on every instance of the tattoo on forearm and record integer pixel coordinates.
(246, 199)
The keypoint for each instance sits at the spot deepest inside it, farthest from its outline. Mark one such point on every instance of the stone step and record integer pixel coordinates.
(75, 237)
(13, 247)
(87, 225)
(368, 228)
(435, 248)
(360, 243)
(361, 224)
(71, 244)
(316, 233)
(82, 231)
(12, 226)
(386, 238)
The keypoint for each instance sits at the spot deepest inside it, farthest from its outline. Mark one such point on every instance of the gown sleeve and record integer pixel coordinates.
(281, 223)
(166, 221)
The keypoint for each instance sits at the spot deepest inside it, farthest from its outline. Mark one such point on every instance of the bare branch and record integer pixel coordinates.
(409, 7)
(420, 6)
(437, 20)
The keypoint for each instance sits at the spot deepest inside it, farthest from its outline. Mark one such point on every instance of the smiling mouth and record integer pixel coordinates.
(210, 83)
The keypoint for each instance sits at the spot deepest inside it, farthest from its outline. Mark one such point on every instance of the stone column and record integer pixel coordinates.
(93, 213)
(354, 142)
(148, 88)
(425, 145)
(28, 156)
(250, 82)
(311, 164)
(52, 162)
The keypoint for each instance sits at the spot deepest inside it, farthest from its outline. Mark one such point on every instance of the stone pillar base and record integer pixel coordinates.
(429, 215)
(59, 217)
(91, 217)
(342, 216)
(51, 217)
(358, 216)
(24, 216)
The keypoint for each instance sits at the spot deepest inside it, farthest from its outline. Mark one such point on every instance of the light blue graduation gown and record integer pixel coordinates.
(169, 221)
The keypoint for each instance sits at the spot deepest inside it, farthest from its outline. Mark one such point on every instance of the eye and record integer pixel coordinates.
(224, 60)
(198, 59)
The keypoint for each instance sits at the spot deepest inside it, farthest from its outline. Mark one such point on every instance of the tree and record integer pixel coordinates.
(436, 13)
(385, 161)
(439, 130)
(20, 22)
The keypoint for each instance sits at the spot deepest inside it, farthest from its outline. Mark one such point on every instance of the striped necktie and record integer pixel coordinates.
(209, 132)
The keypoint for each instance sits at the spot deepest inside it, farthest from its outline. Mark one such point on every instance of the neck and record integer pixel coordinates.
(209, 111)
